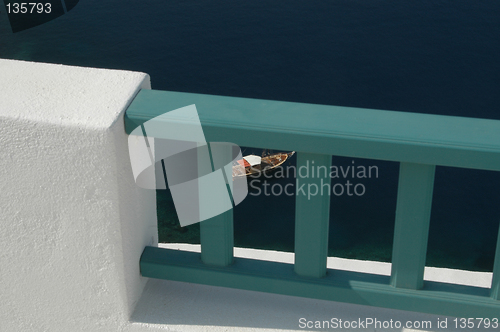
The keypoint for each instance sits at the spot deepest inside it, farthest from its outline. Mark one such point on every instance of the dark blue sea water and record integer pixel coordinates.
(439, 57)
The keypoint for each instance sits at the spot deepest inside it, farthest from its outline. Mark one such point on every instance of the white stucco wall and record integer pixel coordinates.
(73, 224)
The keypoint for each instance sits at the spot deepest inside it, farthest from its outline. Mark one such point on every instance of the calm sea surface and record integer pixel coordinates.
(439, 57)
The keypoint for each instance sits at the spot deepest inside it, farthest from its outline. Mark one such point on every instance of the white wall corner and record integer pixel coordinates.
(73, 222)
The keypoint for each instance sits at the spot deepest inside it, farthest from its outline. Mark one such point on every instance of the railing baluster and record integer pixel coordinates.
(217, 241)
(495, 284)
(416, 183)
(312, 214)
(217, 234)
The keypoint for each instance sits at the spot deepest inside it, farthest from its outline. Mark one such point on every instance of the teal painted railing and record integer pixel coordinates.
(418, 141)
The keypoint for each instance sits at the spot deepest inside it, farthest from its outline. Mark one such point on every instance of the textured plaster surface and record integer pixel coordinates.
(73, 223)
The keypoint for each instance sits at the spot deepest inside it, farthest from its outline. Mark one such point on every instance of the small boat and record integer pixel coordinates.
(255, 166)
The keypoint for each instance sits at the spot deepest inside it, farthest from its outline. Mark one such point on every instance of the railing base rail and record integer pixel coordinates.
(338, 285)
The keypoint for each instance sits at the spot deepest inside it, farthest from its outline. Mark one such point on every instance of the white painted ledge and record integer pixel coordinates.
(460, 277)
(179, 306)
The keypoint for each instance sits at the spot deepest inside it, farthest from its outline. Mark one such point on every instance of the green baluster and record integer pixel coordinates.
(312, 214)
(416, 183)
(495, 284)
(217, 234)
